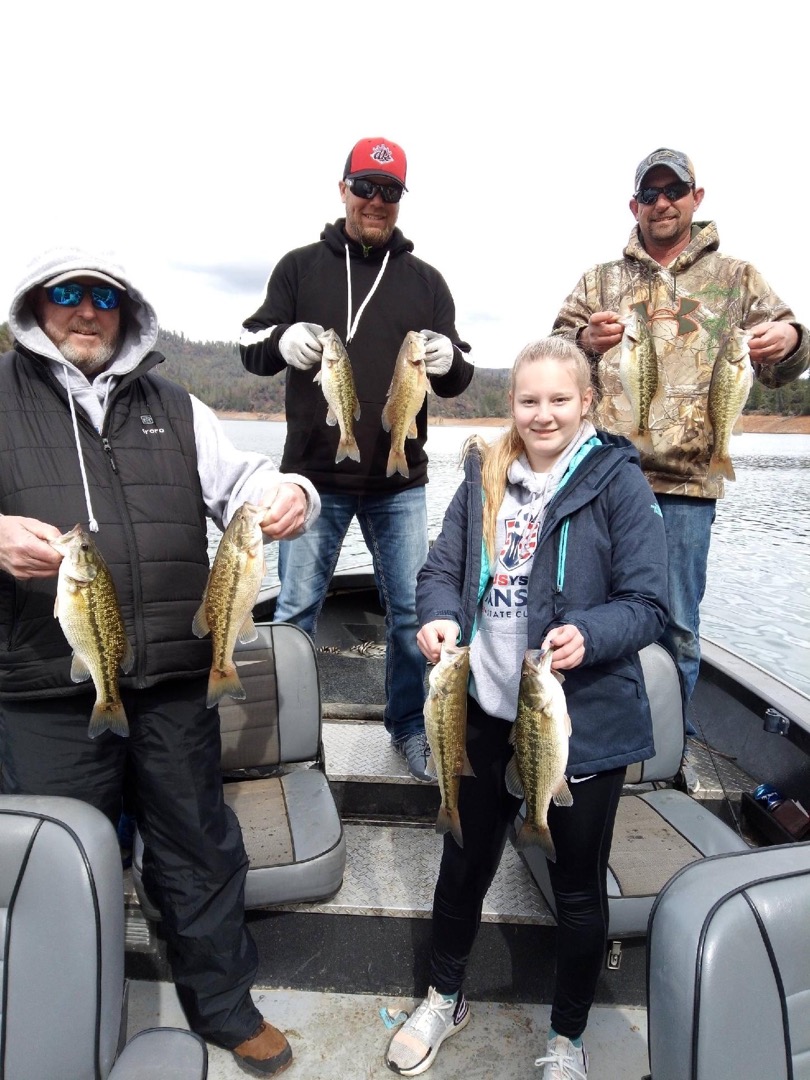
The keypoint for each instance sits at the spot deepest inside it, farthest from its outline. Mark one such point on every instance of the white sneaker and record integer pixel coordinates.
(563, 1060)
(415, 1046)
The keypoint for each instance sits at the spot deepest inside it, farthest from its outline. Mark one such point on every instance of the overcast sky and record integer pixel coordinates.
(201, 141)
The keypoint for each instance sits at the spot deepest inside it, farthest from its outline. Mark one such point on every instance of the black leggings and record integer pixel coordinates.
(582, 836)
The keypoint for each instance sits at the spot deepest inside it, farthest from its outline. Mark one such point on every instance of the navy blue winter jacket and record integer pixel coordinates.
(600, 565)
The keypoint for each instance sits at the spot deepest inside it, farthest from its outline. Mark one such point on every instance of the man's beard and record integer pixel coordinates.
(90, 363)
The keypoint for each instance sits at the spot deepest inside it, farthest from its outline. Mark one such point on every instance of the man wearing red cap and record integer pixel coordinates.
(361, 280)
(691, 304)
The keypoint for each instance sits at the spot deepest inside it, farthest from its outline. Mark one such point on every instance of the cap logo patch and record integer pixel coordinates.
(382, 154)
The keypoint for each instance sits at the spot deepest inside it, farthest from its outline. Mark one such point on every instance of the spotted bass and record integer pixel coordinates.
(446, 730)
(406, 395)
(732, 377)
(337, 383)
(88, 612)
(540, 736)
(230, 593)
(638, 372)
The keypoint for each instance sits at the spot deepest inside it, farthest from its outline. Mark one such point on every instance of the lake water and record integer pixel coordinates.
(757, 601)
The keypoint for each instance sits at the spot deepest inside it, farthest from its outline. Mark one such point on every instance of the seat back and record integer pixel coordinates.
(62, 911)
(663, 683)
(728, 968)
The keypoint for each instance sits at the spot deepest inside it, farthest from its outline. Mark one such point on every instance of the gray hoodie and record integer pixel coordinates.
(228, 476)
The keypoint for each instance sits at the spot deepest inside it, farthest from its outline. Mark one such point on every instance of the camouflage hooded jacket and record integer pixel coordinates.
(689, 307)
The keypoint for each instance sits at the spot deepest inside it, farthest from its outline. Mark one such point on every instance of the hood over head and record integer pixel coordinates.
(59, 264)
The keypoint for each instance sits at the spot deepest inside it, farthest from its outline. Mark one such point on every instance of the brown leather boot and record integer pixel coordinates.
(267, 1053)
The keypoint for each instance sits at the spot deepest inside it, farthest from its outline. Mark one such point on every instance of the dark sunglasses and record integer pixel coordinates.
(649, 195)
(71, 294)
(364, 189)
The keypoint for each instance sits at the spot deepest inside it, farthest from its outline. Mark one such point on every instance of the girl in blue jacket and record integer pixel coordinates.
(553, 540)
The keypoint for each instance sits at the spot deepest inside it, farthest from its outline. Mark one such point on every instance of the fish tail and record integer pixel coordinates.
(108, 716)
(224, 682)
(533, 835)
(720, 465)
(347, 448)
(449, 821)
(643, 441)
(397, 463)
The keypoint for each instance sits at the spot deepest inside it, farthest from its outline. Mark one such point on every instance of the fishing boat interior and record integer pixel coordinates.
(707, 969)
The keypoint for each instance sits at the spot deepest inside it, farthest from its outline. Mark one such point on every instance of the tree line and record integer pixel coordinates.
(213, 372)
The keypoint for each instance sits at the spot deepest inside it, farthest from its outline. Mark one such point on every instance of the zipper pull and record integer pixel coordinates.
(108, 451)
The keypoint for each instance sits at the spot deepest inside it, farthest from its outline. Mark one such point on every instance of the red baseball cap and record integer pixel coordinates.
(376, 157)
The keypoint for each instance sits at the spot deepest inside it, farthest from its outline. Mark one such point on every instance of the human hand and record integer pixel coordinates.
(568, 645)
(604, 330)
(430, 638)
(771, 342)
(438, 353)
(299, 345)
(25, 551)
(286, 511)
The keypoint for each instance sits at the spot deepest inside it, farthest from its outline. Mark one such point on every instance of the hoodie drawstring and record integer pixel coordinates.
(93, 522)
(351, 327)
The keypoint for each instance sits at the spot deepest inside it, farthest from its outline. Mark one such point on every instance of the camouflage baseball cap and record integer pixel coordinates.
(672, 159)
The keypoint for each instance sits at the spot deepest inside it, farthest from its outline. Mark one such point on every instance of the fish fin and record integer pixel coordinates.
(199, 626)
(128, 659)
(449, 821)
(643, 441)
(397, 462)
(79, 671)
(316, 378)
(562, 796)
(514, 785)
(386, 419)
(568, 727)
(430, 765)
(412, 432)
(248, 632)
(739, 427)
(721, 466)
(331, 416)
(558, 675)
(224, 683)
(356, 413)
(347, 448)
(108, 717)
(466, 768)
(532, 835)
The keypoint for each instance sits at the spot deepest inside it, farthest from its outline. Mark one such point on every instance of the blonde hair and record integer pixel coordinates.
(497, 456)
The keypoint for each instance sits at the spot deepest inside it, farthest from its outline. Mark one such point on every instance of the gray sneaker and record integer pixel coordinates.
(414, 1047)
(563, 1060)
(414, 748)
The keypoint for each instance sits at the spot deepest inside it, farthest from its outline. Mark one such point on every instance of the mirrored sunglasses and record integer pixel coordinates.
(71, 294)
(649, 195)
(364, 189)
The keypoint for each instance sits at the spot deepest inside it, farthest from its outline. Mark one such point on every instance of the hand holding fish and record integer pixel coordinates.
(430, 638)
(568, 645)
(771, 342)
(286, 512)
(25, 549)
(604, 330)
(438, 353)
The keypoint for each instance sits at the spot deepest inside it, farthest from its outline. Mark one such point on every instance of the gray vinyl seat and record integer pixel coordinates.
(676, 828)
(63, 988)
(728, 968)
(275, 773)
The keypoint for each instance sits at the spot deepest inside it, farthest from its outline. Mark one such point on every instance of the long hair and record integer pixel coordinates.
(496, 457)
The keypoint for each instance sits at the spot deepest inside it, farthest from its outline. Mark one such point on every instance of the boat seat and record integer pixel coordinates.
(63, 993)
(728, 968)
(675, 829)
(275, 775)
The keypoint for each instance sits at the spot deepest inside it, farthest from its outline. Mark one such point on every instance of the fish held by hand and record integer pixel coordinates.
(446, 730)
(337, 382)
(406, 395)
(88, 612)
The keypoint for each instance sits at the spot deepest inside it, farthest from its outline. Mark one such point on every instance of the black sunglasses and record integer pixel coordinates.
(71, 294)
(364, 189)
(649, 195)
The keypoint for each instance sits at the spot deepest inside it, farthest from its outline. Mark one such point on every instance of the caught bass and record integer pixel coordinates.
(230, 593)
(88, 612)
(337, 383)
(732, 377)
(540, 735)
(406, 395)
(638, 372)
(446, 730)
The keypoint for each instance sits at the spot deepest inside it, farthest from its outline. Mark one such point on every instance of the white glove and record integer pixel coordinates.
(299, 345)
(438, 353)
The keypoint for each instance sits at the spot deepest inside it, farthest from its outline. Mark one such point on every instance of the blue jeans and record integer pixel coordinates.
(688, 524)
(394, 528)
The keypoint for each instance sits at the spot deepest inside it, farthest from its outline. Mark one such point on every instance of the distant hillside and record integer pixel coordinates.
(213, 371)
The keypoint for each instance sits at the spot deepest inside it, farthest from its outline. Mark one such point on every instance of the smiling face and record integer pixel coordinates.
(369, 221)
(86, 336)
(548, 406)
(666, 225)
